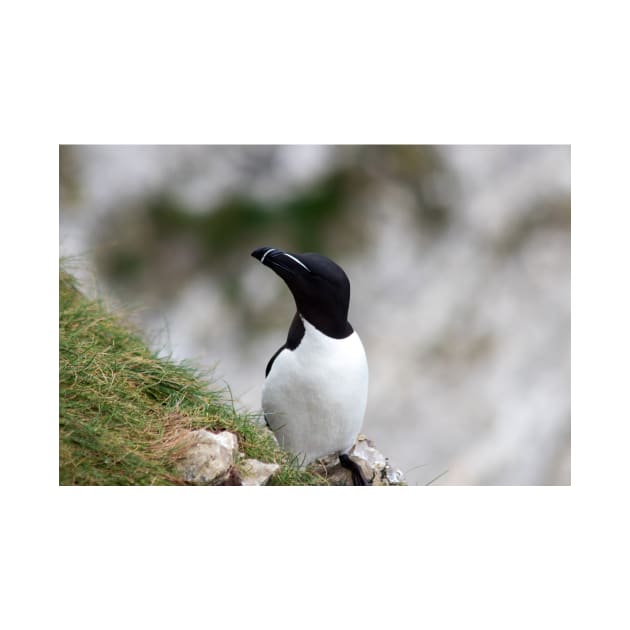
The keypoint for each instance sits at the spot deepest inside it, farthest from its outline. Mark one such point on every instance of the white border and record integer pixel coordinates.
(350, 72)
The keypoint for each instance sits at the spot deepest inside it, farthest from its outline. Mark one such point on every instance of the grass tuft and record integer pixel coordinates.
(124, 413)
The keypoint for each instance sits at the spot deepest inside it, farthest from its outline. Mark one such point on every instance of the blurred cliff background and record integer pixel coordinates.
(459, 259)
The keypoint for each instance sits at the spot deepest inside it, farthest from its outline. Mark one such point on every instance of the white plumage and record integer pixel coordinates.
(315, 396)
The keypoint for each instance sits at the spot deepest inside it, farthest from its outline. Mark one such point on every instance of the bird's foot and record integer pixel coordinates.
(358, 478)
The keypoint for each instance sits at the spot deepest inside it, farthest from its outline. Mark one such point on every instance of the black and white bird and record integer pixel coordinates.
(316, 384)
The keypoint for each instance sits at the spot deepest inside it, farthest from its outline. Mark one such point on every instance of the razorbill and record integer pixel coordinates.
(316, 384)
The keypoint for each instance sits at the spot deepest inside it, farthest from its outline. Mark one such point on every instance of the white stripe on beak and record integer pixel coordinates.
(296, 260)
(271, 249)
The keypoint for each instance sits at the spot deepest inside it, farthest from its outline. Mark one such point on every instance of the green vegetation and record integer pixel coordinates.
(124, 412)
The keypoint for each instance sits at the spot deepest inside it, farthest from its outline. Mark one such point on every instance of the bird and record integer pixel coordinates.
(315, 392)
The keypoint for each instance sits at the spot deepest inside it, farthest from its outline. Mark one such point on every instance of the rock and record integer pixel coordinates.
(334, 472)
(209, 459)
(255, 473)
(374, 465)
(233, 478)
(394, 476)
(225, 438)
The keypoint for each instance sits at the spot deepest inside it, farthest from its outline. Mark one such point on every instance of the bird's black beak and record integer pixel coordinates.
(259, 254)
(279, 261)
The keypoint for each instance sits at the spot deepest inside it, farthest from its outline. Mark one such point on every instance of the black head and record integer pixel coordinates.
(319, 286)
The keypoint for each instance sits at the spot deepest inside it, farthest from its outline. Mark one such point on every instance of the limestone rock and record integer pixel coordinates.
(209, 459)
(225, 438)
(374, 465)
(256, 473)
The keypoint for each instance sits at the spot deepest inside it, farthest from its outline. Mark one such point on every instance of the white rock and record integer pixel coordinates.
(364, 449)
(225, 438)
(256, 473)
(394, 476)
(210, 457)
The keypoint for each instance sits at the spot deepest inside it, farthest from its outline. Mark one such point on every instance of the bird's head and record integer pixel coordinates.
(319, 286)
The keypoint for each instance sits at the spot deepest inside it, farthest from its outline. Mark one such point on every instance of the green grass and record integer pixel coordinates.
(123, 412)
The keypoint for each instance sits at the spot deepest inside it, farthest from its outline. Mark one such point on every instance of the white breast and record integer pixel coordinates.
(314, 397)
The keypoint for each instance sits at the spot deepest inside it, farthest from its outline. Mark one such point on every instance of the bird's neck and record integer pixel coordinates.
(337, 328)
